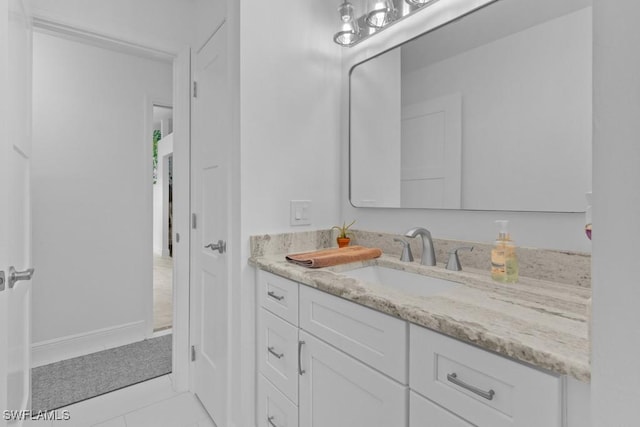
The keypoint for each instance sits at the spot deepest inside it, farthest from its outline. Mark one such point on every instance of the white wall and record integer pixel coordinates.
(290, 138)
(208, 16)
(161, 24)
(92, 188)
(616, 209)
(531, 229)
(290, 93)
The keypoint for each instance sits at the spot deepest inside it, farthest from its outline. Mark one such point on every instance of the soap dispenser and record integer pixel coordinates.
(504, 262)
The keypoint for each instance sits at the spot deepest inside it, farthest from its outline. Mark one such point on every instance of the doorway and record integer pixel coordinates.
(162, 218)
(92, 180)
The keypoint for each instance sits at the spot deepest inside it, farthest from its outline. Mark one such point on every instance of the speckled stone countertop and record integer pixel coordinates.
(535, 321)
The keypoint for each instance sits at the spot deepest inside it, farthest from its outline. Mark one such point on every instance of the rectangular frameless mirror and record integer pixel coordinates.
(489, 112)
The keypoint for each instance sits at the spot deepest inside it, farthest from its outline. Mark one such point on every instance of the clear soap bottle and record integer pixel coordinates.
(504, 262)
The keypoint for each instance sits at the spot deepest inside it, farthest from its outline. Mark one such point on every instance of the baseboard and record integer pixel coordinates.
(45, 352)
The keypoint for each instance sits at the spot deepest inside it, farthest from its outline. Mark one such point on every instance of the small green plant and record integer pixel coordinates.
(344, 229)
(157, 136)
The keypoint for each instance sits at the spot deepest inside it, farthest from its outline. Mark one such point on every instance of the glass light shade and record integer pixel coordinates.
(349, 32)
(381, 13)
(345, 38)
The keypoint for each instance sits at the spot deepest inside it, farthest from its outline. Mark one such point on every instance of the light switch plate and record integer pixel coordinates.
(300, 212)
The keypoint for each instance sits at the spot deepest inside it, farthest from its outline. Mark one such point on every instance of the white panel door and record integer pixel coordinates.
(431, 160)
(336, 390)
(15, 215)
(210, 204)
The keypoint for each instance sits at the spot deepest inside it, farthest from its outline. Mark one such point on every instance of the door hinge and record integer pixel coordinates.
(195, 89)
(193, 353)
(194, 222)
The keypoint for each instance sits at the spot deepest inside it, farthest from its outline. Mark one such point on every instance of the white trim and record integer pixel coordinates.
(220, 25)
(58, 349)
(162, 333)
(149, 103)
(72, 32)
(181, 217)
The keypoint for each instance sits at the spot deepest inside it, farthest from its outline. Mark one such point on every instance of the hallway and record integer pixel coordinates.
(162, 292)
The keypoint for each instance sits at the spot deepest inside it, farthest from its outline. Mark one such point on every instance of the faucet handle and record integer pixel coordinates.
(454, 262)
(406, 256)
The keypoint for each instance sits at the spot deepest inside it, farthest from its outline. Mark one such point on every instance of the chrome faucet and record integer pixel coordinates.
(428, 253)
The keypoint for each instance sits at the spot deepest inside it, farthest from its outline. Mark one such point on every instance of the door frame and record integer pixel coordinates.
(149, 103)
(182, 146)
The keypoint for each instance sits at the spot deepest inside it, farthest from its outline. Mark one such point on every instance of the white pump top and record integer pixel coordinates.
(504, 229)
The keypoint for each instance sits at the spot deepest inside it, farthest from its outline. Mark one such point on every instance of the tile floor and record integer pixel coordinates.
(152, 403)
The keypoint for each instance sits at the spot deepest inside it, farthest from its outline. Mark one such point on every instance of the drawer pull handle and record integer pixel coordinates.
(486, 394)
(270, 420)
(272, 351)
(300, 370)
(274, 296)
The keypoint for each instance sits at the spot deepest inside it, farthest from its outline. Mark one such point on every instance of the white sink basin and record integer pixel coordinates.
(403, 281)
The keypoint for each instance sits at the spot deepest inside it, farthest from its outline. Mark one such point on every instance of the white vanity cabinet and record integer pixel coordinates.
(341, 365)
(324, 361)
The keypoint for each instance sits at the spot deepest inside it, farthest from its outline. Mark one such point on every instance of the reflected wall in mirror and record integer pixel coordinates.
(489, 112)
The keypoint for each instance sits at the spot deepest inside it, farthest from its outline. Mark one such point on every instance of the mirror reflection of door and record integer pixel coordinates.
(431, 153)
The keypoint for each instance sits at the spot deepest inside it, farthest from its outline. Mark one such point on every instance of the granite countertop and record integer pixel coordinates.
(535, 321)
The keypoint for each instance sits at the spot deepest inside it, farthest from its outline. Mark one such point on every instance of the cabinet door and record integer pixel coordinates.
(339, 391)
(374, 338)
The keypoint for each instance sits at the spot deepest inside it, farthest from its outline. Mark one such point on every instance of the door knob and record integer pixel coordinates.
(16, 276)
(221, 246)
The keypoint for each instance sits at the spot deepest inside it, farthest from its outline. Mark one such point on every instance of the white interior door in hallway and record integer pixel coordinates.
(15, 211)
(210, 204)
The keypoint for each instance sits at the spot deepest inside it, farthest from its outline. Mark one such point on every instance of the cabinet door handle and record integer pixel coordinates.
(270, 420)
(300, 370)
(273, 351)
(274, 296)
(453, 377)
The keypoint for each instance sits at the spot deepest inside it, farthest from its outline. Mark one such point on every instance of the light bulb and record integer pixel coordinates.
(381, 14)
(346, 11)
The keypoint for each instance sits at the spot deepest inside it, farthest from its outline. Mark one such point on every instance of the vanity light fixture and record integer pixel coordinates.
(349, 31)
(380, 14)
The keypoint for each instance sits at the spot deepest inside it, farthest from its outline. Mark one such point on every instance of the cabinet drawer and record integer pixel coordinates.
(278, 295)
(278, 353)
(375, 338)
(424, 413)
(481, 387)
(273, 408)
